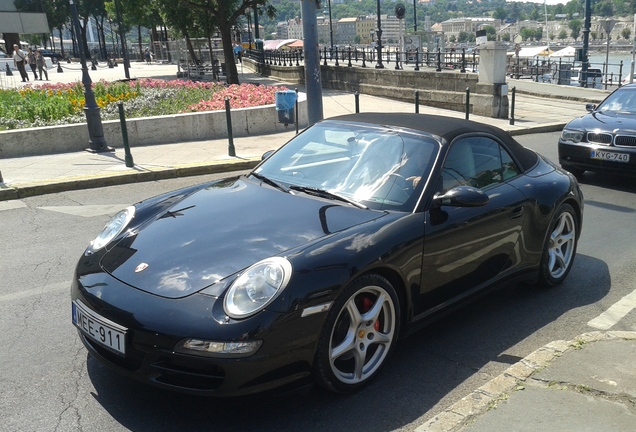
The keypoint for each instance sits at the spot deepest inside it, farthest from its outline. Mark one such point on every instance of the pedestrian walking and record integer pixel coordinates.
(32, 63)
(19, 59)
(39, 59)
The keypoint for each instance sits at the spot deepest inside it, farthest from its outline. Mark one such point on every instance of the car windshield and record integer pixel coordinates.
(374, 166)
(622, 101)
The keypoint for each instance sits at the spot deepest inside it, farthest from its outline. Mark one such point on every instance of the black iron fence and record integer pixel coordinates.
(540, 69)
(367, 57)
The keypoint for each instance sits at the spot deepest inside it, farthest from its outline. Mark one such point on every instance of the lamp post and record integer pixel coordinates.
(586, 42)
(97, 142)
(415, 15)
(379, 65)
(249, 30)
(330, 29)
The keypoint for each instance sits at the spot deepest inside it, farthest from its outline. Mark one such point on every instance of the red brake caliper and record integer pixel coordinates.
(367, 304)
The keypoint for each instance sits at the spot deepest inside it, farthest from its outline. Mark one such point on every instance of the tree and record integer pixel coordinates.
(626, 33)
(227, 13)
(491, 32)
(563, 34)
(500, 13)
(575, 25)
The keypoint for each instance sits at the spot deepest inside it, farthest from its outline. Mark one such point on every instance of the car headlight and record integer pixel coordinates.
(111, 230)
(257, 287)
(572, 135)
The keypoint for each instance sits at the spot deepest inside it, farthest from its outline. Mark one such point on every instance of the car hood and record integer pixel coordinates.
(610, 121)
(220, 230)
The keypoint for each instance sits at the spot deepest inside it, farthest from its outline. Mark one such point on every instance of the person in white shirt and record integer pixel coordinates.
(19, 59)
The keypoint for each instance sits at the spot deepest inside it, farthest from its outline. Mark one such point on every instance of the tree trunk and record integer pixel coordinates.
(228, 53)
(141, 50)
(61, 41)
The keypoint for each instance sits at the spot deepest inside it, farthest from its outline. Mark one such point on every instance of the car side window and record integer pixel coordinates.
(477, 161)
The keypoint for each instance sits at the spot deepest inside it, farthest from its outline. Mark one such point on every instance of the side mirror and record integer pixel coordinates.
(462, 196)
(267, 154)
(590, 107)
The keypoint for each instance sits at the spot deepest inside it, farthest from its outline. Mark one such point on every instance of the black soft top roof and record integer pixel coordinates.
(447, 128)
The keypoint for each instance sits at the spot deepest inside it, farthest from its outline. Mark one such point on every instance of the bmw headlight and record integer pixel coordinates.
(111, 230)
(257, 287)
(572, 135)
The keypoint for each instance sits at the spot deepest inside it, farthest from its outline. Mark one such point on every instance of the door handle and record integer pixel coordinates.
(516, 213)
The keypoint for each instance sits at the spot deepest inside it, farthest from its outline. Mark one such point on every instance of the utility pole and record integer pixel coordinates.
(313, 81)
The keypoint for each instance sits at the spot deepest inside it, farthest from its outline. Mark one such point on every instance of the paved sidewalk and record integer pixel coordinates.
(587, 384)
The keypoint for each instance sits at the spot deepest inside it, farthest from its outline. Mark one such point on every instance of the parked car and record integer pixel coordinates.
(594, 78)
(310, 268)
(55, 56)
(603, 140)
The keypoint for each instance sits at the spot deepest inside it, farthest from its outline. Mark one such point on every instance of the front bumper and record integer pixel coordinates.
(579, 156)
(155, 325)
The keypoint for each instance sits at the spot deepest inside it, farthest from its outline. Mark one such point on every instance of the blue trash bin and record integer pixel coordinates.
(285, 102)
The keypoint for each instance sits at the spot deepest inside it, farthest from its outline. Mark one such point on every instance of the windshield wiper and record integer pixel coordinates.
(326, 194)
(269, 182)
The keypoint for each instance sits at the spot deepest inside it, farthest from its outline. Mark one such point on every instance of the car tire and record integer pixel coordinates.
(560, 247)
(359, 333)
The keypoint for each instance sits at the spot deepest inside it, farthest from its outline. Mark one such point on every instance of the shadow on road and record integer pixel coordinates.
(422, 378)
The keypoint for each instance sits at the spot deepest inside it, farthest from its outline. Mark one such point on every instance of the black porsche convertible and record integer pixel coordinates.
(310, 268)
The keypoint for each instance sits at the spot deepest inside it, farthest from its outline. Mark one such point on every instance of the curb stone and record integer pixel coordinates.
(469, 408)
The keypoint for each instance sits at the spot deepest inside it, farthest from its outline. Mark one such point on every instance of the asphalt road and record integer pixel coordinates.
(48, 382)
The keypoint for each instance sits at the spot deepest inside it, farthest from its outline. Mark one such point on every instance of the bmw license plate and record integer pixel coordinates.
(101, 330)
(610, 156)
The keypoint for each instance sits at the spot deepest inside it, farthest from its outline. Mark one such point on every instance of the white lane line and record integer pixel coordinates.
(36, 291)
(11, 205)
(615, 313)
(87, 210)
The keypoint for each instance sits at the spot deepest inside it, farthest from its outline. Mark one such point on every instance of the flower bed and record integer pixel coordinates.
(58, 104)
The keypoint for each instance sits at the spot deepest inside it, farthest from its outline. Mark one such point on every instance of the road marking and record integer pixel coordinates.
(88, 210)
(615, 313)
(12, 204)
(19, 295)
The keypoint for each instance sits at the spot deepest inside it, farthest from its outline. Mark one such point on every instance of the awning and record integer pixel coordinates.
(568, 51)
(541, 51)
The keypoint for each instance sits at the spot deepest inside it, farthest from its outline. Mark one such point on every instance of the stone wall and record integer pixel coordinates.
(445, 90)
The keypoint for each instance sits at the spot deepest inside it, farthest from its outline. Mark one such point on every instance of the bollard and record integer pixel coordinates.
(231, 151)
(124, 134)
(417, 101)
(512, 107)
(357, 98)
(467, 102)
(296, 110)
(9, 71)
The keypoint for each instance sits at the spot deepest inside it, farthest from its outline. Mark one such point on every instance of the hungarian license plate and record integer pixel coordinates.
(101, 330)
(610, 156)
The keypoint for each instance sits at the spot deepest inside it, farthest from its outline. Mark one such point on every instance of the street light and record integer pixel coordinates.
(330, 29)
(97, 142)
(379, 65)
